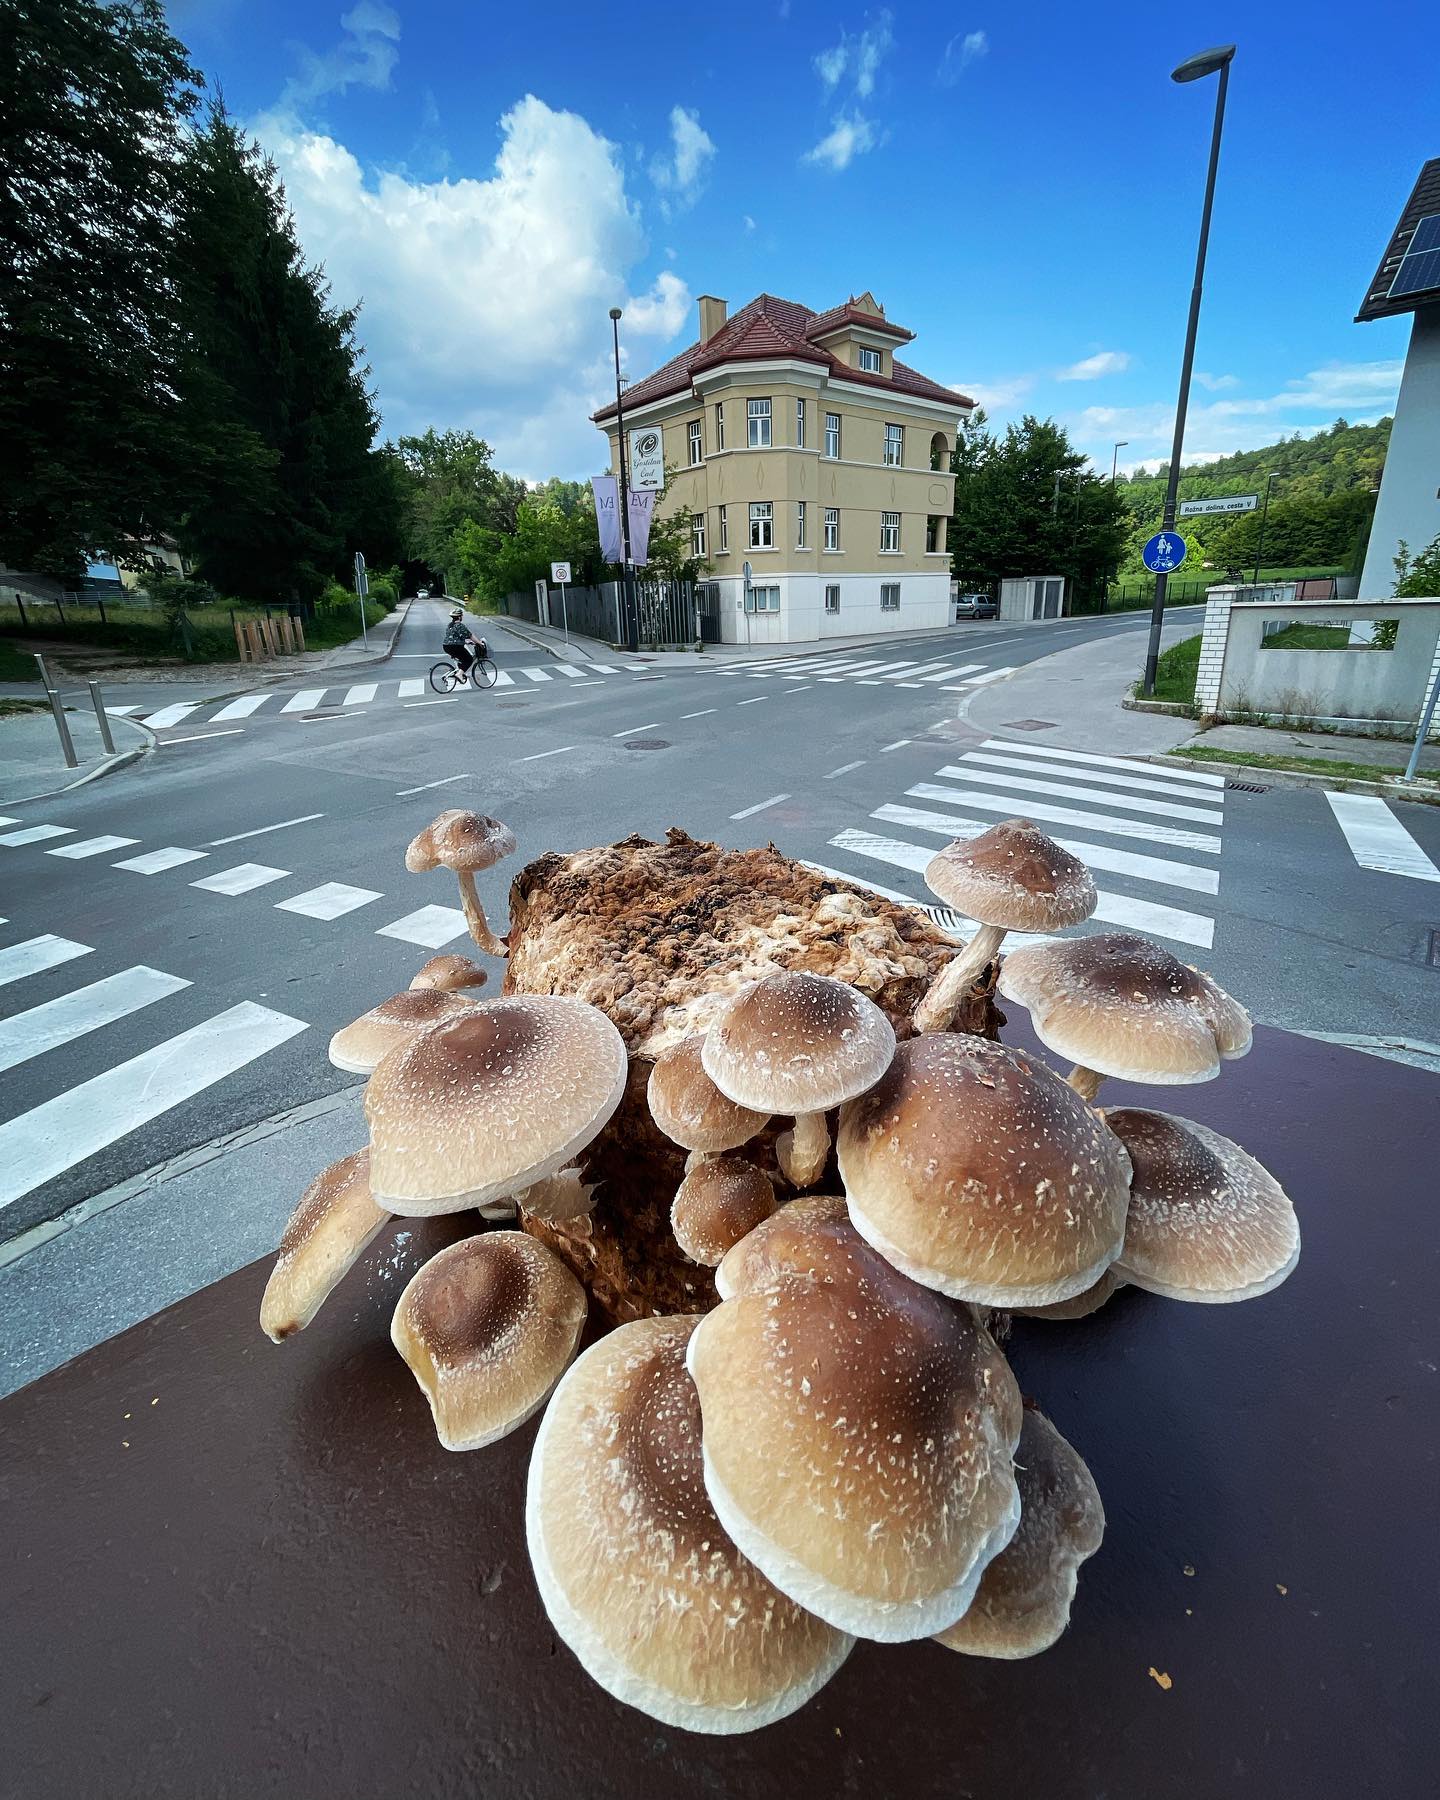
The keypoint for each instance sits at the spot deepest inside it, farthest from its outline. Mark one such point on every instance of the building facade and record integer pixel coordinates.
(797, 443)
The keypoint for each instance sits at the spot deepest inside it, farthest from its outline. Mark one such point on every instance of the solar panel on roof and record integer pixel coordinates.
(1426, 236)
(1419, 269)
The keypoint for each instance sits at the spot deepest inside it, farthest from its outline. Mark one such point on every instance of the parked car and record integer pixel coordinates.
(424, 594)
(976, 606)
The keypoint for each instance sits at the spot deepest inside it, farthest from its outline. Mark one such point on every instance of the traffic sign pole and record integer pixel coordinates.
(362, 588)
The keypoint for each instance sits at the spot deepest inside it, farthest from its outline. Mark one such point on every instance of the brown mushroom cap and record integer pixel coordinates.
(482, 1105)
(797, 1043)
(448, 973)
(716, 1205)
(688, 1107)
(1082, 1305)
(487, 1327)
(635, 1571)
(775, 1244)
(977, 1171)
(1122, 1006)
(857, 1432)
(358, 1047)
(335, 1220)
(1015, 877)
(459, 840)
(1206, 1221)
(1023, 1601)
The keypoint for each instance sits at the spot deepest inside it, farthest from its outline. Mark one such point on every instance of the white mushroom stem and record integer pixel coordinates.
(803, 1152)
(696, 1157)
(497, 1211)
(1086, 1082)
(475, 915)
(942, 1000)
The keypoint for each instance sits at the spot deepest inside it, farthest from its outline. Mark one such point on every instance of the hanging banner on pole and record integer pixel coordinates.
(647, 458)
(606, 490)
(642, 509)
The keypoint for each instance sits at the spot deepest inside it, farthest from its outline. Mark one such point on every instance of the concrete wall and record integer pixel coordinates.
(924, 604)
(1409, 503)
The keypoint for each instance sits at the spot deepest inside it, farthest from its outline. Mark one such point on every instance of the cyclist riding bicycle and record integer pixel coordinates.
(458, 639)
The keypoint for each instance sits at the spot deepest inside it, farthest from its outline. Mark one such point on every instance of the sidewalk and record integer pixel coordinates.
(32, 765)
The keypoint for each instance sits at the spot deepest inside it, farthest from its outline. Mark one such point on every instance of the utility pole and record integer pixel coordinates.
(1264, 515)
(632, 618)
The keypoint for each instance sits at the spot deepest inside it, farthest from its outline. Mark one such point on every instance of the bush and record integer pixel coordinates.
(384, 590)
(333, 597)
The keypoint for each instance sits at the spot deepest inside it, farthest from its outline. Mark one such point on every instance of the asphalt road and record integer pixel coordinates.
(195, 994)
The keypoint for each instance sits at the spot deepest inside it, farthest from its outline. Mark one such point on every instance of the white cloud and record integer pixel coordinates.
(851, 132)
(747, 222)
(846, 139)
(683, 172)
(365, 56)
(963, 49)
(871, 50)
(830, 64)
(1090, 368)
(999, 398)
(1214, 383)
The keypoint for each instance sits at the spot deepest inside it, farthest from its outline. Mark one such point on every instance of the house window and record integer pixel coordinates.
(800, 543)
(889, 531)
(799, 424)
(758, 413)
(832, 527)
(724, 532)
(762, 523)
(719, 426)
(870, 360)
(832, 434)
(762, 600)
(890, 596)
(894, 445)
(832, 596)
(932, 535)
(697, 442)
(697, 535)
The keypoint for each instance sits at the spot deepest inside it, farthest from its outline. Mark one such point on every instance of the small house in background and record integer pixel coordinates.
(1033, 597)
(1408, 281)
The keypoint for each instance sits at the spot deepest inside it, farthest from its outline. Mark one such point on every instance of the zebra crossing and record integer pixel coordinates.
(946, 675)
(1376, 838)
(1097, 807)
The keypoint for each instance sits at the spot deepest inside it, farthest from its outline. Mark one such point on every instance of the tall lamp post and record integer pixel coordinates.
(1208, 62)
(632, 621)
(1264, 515)
(1114, 470)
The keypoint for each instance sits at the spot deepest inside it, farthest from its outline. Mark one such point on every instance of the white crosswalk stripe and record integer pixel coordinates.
(36, 955)
(431, 927)
(504, 680)
(331, 900)
(155, 862)
(954, 674)
(241, 879)
(1377, 839)
(170, 715)
(1043, 813)
(83, 1010)
(1027, 784)
(309, 698)
(96, 846)
(35, 834)
(1197, 777)
(361, 694)
(239, 709)
(410, 689)
(1140, 784)
(536, 674)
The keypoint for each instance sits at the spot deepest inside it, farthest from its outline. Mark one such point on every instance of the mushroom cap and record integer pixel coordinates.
(1023, 1601)
(857, 1432)
(358, 1047)
(477, 1107)
(632, 1564)
(335, 1220)
(448, 973)
(1081, 1307)
(772, 1245)
(487, 1327)
(459, 840)
(1014, 877)
(797, 1043)
(717, 1204)
(1124, 1007)
(688, 1107)
(978, 1171)
(1206, 1221)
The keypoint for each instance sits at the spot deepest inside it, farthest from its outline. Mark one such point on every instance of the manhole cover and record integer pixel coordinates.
(1031, 724)
(509, 702)
(1245, 787)
(1434, 957)
(647, 743)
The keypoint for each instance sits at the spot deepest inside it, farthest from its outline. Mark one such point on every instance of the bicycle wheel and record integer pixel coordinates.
(444, 677)
(482, 672)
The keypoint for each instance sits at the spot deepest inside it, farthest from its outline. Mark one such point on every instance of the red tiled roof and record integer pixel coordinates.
(770, 327)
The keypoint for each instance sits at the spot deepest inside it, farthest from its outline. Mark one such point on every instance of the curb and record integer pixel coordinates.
(1389, 789)
(524, 636)
(108, 766)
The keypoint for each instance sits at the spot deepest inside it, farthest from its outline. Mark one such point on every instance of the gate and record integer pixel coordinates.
(667, 613)
(707, 600)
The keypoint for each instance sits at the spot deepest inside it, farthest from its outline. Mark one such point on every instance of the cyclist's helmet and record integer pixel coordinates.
(457, 612)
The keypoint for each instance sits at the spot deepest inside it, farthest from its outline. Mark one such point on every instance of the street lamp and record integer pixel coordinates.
(1264, 515)
(632, 618)
(1115, 458)
(1208, 62)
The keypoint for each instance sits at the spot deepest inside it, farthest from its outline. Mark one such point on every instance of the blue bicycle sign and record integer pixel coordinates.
(1164, 552)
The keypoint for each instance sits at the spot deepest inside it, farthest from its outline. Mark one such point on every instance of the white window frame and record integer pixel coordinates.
(889, 532)
(762, 524)
(757, 415)
(719, 424)
(891, 588)
(799, 424)
(871, 361)
(894, 441)
(697, 535)
(763, 599)
(832, 596)
(832, 528)
(832, 436)
(724, 531)
(696, 436)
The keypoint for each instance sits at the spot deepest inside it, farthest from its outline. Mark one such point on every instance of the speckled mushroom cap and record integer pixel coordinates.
(477, 1107)
(359, 1046)
(487, 1327)
(1122, 1006)
(1023, 1602)
(858, 1432)
(1206, 1221)
(459, 840)
(634, 1569)
(1013, 876)
(977, 1171)
(448, 973)
(797, 1043)
(688, 1107)
(717, 1204)
(775, 1245)
(335, 1220)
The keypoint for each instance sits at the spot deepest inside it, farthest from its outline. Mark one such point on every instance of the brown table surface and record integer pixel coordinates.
(233, 1569)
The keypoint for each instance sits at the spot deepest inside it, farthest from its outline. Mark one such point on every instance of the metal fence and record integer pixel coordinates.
(667, 610)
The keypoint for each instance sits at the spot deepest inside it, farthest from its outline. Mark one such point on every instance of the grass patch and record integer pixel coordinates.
(11, 708)
(1301, 765)
(1296, 636)
(16, 664)
(144, 631)
(1176, 671)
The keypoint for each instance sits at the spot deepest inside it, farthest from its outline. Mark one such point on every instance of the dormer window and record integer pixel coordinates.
(869, 359)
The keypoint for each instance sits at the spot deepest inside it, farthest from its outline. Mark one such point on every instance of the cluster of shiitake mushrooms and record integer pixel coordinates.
(720, 1503)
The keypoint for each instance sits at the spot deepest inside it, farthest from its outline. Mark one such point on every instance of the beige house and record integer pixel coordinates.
(797, 443)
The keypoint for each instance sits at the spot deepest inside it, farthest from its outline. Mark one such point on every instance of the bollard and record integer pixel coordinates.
(102, 718)
(71, 760)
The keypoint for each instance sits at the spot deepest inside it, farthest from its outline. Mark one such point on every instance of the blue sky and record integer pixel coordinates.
(1018, 185)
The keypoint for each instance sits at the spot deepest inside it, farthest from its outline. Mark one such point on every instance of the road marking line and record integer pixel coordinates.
(836, 679)
(565, 669)
(361, 694)
(899, 744)
(425, 786)
(1197, 777)
(989, 675)
(430, 927)
(701, 714)
(96, 846)
(1035, 766)
(36, 834)
(907, 684)
(540, 754)
(452, 700)
(240, 879)
(84, 1010)
(503, 680)
(241, 708)
(915, 670)
(755, 702)
(331, 900)
(36, 955)
(954, 674)
(261, 831)
(1160, 809)
(536, 674)
(1042, 812)
(169, 715)
(48, 1140)
(604, 668)
(121, 712)
(845, 768)
(635, 730)
(749, 811)
(154, 861)
(1377, 839)
(306, 700)
(409, 688)
(200, 736)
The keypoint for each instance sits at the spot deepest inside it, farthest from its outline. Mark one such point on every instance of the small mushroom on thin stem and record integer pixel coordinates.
(1009, 878)
(692, 1112)
(464, 842)
(718, 1204)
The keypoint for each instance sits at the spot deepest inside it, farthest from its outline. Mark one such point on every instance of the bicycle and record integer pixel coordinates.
(446, 676)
